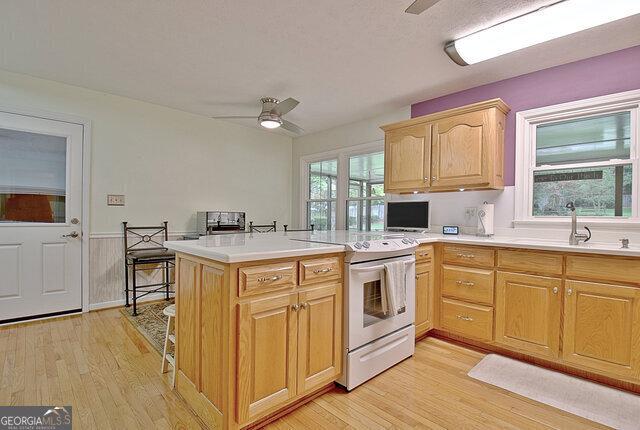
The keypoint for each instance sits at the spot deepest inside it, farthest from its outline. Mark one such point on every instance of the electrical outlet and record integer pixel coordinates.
(115, 199)
(470, 212)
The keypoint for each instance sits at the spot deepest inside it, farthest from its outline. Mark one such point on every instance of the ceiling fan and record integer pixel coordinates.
(419, 6)
(271, 114)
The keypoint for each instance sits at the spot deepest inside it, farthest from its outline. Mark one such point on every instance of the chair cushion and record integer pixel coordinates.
(150, 254)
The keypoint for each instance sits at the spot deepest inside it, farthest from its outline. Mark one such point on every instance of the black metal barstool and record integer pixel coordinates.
(264, 228)
(148, 249)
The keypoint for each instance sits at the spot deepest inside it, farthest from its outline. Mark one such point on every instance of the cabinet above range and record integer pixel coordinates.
(452, 150)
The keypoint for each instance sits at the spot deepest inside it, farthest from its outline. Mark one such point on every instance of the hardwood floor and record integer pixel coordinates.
(99, 364)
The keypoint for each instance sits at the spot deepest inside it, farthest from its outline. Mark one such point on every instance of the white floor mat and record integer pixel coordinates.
(608, 406)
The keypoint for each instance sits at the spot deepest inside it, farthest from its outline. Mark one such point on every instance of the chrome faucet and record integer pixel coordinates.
(575, 238)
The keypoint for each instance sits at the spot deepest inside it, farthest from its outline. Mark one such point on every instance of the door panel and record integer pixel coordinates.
(266, 354)
(424, 301)
(528, 313)
(460, 151)
(602, 327)
(408, 159)
(40, 193)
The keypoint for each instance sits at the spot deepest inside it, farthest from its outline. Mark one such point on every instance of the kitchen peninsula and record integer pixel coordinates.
(260, 317)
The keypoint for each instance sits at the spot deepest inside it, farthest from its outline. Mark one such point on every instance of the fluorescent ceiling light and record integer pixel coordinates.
(270, 123)
(547, 23)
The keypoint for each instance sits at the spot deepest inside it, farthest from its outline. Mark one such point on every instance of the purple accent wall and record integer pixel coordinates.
(605, 74)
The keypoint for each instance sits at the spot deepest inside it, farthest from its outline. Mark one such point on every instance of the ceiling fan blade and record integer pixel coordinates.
(419, 6)
(285, 106)
(235, 117)
(288, 125)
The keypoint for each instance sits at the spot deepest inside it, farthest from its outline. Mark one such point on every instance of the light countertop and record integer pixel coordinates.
(234, 248)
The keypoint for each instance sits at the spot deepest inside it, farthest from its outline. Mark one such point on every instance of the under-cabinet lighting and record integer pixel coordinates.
(547, 23)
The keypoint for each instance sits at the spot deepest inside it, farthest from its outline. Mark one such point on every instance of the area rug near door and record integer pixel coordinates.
(150, 321)
(604, 405)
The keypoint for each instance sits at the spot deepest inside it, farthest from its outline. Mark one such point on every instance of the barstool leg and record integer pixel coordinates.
(166, 278)
(126, 283)
(133, 282)
(165, 352)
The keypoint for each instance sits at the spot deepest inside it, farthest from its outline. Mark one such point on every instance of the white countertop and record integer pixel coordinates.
(234, 248)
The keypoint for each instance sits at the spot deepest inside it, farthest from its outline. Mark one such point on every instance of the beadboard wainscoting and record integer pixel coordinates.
(106, 271)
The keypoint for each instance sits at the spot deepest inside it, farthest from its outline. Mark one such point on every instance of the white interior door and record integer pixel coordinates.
(40, 209)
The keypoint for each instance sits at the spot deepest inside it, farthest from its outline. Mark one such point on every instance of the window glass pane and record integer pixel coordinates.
(323, 179)
(376, 214)
(595, 191)
(365, 214)
(366, 180)
(589, 139)
(322, 215)
(32, 177)
(354, 214)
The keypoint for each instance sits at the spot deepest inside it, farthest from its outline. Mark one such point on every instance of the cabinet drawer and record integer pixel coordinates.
(464, 283)
(468, 255)
(268, 277)
(319, 270)
(473, 321)
(618, 269)
(527, 261)
(424, 253)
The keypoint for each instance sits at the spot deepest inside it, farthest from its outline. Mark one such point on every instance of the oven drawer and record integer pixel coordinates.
(465, 283)
(464, 319)
(320, 270)
(267, 277)
(468, 255)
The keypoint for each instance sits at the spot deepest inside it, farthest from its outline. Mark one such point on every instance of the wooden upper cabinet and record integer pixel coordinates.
(528, 313)
(465, 150)
(319, 336)
(267, 354)
(407, 159)
(602, 328)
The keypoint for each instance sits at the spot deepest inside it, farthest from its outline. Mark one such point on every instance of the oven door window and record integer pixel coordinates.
(375, 303)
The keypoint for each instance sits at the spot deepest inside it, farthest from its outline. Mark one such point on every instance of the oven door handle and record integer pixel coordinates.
(375, 268)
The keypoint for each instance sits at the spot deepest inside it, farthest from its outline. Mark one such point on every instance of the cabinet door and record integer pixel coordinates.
(424, 299)
(319, 336)
(602, 327)
(461, 153)
(407, 159)
(528, 313)
(267, 354)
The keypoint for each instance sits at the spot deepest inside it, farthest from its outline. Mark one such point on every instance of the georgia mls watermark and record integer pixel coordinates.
(35, 417)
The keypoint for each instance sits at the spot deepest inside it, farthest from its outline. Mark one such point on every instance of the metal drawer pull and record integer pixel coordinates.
(466, 255)
(325, 270)
(304, 305)
(465, 283)
(270, 278)
(295, 307)
(569, 291)
(464, 318)
(555, 290)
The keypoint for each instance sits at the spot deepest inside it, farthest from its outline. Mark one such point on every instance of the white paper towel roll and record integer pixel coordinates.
(486, 219)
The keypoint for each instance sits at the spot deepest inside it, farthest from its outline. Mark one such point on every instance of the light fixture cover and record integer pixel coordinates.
(270, 123)
(547, 23)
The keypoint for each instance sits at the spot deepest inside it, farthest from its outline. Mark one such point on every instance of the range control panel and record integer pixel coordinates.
(382, 245)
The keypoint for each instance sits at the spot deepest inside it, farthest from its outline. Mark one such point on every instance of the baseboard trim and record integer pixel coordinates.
(121, 302)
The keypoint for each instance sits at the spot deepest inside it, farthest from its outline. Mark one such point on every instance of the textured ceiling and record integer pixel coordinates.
(344, 60)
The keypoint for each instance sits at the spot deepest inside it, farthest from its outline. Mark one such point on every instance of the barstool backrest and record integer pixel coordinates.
(147, 238)
(265, 228)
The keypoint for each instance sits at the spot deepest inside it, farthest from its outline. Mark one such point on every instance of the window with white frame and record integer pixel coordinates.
(344, 189)
(323, 194)
(583, 152)
(365, 204)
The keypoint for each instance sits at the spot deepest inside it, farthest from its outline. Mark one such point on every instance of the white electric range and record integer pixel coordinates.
(374, 339)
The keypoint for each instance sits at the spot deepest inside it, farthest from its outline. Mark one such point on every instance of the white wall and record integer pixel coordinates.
(167, 163)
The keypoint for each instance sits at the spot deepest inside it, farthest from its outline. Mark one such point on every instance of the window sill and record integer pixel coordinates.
(607, 223)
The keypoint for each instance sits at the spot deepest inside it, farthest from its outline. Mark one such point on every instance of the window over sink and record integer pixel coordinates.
(584, 152)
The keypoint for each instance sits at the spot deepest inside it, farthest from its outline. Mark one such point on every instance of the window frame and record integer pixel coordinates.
(342, 155)
(526, 123)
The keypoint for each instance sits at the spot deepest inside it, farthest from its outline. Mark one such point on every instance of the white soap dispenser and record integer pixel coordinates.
(485, 219)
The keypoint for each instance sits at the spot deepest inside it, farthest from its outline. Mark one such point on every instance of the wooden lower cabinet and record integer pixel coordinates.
(527, 313)
(424, 298)
(602, 327)
(319, 337)
(288, 345)
(267, 354)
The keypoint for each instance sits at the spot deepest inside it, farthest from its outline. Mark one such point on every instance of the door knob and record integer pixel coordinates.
(73, 234)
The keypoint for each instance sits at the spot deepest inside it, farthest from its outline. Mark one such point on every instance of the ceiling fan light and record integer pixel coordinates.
(270, 123)
(547, 23)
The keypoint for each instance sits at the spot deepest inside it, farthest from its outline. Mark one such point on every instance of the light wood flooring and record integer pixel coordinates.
(99, 364)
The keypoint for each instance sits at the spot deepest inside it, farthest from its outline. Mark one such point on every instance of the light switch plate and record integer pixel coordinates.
(115, 199)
